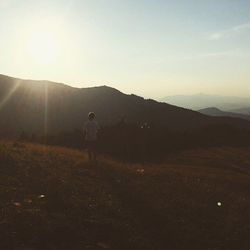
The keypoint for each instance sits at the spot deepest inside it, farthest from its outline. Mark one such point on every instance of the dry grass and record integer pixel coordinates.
(52, 198)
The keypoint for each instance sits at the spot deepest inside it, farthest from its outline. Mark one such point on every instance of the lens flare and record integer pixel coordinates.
(8, 96)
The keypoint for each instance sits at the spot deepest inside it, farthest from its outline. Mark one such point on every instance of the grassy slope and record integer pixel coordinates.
(123, 206)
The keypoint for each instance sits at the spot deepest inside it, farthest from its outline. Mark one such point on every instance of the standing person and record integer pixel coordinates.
(90, 131)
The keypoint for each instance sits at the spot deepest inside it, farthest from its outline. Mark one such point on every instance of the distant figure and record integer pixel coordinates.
(90, 131)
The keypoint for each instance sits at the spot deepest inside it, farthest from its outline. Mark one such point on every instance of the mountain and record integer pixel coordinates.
(201, 101)
(217, 112)
(245, 111)
(46, 107)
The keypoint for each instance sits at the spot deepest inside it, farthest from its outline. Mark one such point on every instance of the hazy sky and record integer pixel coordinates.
(152, 48)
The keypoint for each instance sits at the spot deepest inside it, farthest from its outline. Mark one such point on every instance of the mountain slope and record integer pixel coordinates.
(48, 107)
(218, 112)
(201, 101)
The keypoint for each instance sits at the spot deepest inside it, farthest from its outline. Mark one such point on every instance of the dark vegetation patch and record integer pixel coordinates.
(146, 143)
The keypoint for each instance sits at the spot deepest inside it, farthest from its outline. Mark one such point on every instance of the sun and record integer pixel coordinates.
(44, 47)
(44, 44)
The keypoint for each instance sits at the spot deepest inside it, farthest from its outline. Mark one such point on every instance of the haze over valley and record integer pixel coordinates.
(202, 101)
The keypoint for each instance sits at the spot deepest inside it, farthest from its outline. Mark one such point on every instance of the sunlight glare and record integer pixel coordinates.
(44, 47)
(8, 96)
(45, 42)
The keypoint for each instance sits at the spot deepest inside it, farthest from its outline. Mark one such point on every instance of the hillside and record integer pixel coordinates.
(39, 107)
(52, 198)
(218, 112)
(202, 101)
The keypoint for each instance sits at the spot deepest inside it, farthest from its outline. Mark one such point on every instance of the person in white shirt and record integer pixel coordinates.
(90, 131)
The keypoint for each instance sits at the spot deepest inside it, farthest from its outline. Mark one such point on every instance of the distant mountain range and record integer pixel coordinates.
(245, 111)
(218, 112)
(43, 106)
(201, 101)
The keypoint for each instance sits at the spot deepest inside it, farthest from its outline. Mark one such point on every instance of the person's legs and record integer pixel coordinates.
(93, 151)
(91, 146)
(88, 147)
(94, 156)
(90, 154)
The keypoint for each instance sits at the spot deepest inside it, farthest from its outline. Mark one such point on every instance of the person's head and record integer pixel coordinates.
(91, 116)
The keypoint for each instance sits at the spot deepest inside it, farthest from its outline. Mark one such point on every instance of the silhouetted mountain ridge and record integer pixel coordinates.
(217, 112)
(44, 106)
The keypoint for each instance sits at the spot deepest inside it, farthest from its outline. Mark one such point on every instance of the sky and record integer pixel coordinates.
(152, 48)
